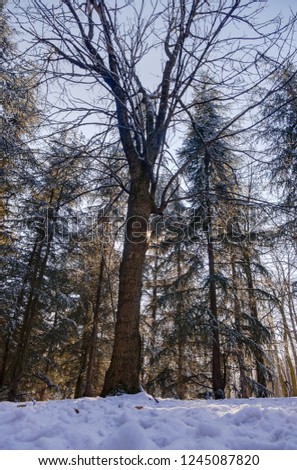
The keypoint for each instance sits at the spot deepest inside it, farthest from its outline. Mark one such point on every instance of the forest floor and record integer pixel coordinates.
(141, 422)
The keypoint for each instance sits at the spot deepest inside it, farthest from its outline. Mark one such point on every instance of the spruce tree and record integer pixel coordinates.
(212, 180)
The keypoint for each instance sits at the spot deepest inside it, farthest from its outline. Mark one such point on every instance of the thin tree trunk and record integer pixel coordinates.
(124, 370)
(153, 330)
(293, 316)
(154, 308)
(19, 300)
(43, 391)
(239, 349)
(288, 339)
(26, 330)
(80, 381)
(181, 392)
(217, 377)
(259, 355)
(30, 314)
(4, 360)
(93, 340)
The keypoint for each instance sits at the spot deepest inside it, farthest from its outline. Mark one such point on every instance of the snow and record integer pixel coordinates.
(140, 422)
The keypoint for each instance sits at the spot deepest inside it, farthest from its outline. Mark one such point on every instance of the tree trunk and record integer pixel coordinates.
(80, 381)
(259, 354)
(26, 331)
(124, 370)
(30, 313)
(239, 349)
(181, 389)
(151, 372)
(287, 339)
(4, 361)
(93, 341)
(217, 377)
(10, 335)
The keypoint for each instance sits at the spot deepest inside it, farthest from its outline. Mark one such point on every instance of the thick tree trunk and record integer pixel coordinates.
(124, 370)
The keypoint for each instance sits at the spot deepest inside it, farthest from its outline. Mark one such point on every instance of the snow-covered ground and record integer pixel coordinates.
(140, 422)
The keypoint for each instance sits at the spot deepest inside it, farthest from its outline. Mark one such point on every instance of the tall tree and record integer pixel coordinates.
(211, 174)
(18, 110)
(55, 184)
(93, 42)
(280, 135)
(18, 117)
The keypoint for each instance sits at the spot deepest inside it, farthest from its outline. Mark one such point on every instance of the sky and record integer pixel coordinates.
(150, 66)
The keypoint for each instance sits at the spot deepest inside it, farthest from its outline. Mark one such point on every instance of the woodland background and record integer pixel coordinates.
(218, 310)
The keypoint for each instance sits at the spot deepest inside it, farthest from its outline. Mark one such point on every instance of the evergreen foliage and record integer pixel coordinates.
(81, 216)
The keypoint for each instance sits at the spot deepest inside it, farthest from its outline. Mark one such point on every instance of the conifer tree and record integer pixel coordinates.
(18, 118)
(280, 135)
(91, 42)
(212, 180)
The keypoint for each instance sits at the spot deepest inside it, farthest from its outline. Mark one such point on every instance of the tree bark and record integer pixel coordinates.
(217, 376)
(26, 330)
(31, 309)
(10, 335)
(239, 349)
(259, 355)
(287, 339)
(151, 372)
(124, 370)
(180, 388)
(93, 341)
(4, 360)
(83, 361)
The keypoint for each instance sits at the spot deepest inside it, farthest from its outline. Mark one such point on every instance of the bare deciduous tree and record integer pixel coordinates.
(108, 47)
